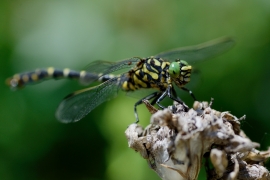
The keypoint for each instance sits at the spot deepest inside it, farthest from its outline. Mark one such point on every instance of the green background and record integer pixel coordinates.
(36, 34)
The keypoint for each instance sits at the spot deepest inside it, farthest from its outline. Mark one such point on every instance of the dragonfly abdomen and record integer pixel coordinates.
(38, 75)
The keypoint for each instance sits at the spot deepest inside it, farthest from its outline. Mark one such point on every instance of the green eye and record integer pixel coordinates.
(184, 62)
(174, 69)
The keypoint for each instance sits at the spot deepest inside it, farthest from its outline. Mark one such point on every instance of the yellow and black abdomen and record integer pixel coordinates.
(149, 73)
(38, 75)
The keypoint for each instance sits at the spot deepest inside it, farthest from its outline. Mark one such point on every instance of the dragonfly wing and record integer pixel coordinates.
(98, 66)
(198, 52)
(78, 104)
(106, 67)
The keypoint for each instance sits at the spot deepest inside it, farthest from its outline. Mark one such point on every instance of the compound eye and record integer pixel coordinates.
(174, 69)
(184, 62)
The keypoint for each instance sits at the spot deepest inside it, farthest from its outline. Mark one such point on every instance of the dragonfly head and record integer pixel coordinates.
(180, 72)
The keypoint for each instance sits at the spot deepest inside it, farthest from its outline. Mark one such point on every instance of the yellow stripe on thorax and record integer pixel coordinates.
(125, 86)
(132, 87)
(139, 82)
(164, 64)
(145, 78)
(156, 62)
(152, 74)
(128, 86)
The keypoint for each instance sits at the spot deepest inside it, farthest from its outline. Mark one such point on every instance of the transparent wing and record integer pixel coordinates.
(198, 52)
(102, 68)
(99, 66)
(77, 105)
(107, 67)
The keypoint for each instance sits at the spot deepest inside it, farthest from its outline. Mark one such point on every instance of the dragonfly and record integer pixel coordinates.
(162, 73)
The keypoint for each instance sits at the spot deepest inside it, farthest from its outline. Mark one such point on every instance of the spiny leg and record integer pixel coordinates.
(190, 92)
(163, 95)
(175, 95)
(149, 97)
(169, 92)
(154, 101)
(158, 97)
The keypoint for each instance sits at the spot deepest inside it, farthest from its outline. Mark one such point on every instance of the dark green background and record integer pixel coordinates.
(34, 145)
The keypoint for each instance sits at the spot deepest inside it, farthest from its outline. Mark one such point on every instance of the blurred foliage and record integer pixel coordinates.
(33, 34)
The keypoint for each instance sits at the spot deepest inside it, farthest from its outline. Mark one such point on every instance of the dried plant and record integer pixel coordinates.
(176, 142)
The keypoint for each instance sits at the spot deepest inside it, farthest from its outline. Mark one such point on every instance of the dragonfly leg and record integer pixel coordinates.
(179, 100)
(190, 92)
(149, 97)
(174, 94)
(171, 93)
(154, 101)
(163, 95)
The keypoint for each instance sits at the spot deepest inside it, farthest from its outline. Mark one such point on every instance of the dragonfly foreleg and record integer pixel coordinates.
(154, 101)
(174, 94)
(171, 93)
(149, 97)
(163, 95)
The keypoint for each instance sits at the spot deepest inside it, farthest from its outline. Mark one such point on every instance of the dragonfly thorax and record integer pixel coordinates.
(148, 73)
